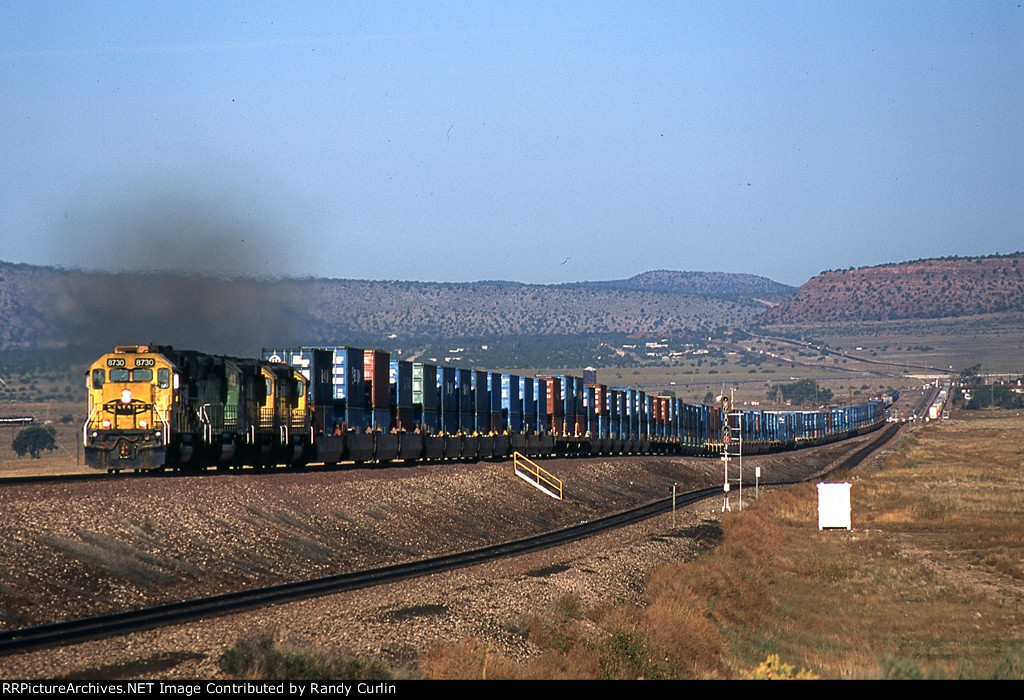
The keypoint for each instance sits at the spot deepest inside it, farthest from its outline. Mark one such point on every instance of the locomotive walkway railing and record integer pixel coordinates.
(532, 473)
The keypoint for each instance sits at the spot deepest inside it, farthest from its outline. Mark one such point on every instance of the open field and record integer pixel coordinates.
(995, 341)
(861, 358)
(873, 356)
(67, 417)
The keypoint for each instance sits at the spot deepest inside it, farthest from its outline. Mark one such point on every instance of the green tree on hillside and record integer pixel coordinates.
(34, 440)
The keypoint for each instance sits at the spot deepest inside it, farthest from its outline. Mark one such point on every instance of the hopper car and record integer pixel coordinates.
(154, 407)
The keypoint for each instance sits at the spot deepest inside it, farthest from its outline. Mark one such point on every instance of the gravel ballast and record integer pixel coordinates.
(85, 549)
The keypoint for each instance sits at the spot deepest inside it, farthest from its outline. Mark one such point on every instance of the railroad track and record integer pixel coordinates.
(78, 630)
(852, 460)
(57, 633)
(167, 474)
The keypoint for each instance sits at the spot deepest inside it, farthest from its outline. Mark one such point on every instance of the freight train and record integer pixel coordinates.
(154, 407)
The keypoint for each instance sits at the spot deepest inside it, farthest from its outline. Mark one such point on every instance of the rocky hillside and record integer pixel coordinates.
(936, 288)
(46, 308)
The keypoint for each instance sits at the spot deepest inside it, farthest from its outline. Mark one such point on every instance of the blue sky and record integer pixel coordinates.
(458, 141)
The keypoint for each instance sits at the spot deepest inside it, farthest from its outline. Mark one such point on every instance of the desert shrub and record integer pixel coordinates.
(627, 654)
(772, 669)
(471, 660)
(898, 668)
(260, 658)
(1012, 665)
(568, 606)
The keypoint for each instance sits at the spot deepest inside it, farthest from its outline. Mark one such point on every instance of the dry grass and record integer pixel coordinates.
(927, 585)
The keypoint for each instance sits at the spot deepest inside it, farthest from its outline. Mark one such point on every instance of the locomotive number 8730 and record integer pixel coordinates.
(152, 407)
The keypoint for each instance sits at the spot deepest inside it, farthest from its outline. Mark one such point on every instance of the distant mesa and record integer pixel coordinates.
(932, 288)
(715, 284)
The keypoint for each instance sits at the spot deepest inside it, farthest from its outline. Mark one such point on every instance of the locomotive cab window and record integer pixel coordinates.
(163, 377)
(142, 375)
(97, 378)
(120, 375)
(296, 394)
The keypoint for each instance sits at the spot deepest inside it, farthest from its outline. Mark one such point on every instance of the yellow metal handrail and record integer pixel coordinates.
(540, 476)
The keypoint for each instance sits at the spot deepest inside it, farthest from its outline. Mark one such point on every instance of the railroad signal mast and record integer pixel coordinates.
(732, 446)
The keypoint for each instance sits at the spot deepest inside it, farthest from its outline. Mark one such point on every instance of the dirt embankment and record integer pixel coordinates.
(81, 549)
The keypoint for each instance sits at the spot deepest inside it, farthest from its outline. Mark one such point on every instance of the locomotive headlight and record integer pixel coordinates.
(143, 423)
(126, 396)
(106, 423)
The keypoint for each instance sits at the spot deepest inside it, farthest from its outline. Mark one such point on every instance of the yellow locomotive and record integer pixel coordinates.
(153, 406)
